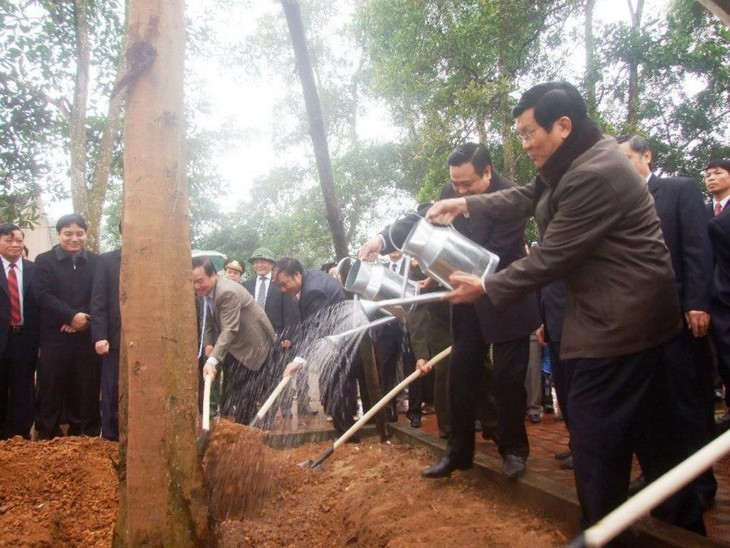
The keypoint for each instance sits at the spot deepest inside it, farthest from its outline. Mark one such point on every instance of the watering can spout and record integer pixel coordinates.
(372, 309)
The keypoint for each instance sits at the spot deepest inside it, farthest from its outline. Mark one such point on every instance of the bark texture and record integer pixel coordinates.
(162, 498)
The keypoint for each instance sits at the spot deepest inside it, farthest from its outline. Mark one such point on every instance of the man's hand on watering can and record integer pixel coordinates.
(370, 249)
(467, 288)
(444, 212)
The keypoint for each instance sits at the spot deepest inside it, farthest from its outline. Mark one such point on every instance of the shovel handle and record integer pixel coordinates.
(270, 400)
(389, 396)
(206, 402)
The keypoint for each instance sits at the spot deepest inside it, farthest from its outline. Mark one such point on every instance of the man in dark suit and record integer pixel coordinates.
(686, 372)
(238, 337)
(478, 326)
(392, 343)
(717, 182)
(319, 295)
(19, 332)
(600, 233)
(106, 324)
(69, 371)
(283, 313)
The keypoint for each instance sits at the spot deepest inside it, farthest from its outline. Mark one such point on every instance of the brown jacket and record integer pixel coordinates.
(601, 234)
(239, 326)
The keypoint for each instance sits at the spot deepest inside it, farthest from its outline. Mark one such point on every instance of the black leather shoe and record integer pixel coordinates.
(490, 433)
(513, 466)
(562, 455)
(416, 422)
(443, 468)
(637, 485)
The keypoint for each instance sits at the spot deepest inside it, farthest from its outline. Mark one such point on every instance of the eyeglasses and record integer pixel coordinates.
(528, 137)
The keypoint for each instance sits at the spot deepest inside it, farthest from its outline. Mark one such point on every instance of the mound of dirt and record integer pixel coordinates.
(61, 492)
(64, 493)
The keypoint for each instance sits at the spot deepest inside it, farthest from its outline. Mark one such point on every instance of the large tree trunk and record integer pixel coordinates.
(162, 498)
(316, 126)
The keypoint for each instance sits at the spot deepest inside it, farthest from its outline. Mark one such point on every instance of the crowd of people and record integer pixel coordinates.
(627, 290)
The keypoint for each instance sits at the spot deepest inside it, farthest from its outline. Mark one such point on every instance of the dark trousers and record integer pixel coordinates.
(340, 393)
(110, 395)
(466, 369)
(720, 333)
(560, 380)
(610, 402)
(241, 390)
(69, 378)
(394, 344)
(17, 368)
(679, 424)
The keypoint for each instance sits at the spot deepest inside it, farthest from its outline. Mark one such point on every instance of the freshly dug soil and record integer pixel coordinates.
(63, 493)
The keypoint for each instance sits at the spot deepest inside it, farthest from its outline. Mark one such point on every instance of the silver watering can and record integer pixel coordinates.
(375, 282)
(441, 251)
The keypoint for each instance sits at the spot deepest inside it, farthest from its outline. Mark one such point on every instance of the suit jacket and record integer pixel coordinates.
(31, 313)
(601, 234)
(506, 239)
(238, 325)
(63, 288)
(718, 229)
(319, 290)
(281, 309)
(106, 319)
(684, 217)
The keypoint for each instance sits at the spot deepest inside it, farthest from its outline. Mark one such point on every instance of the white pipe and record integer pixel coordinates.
(385, 399)
(657, 491)
(206, 403)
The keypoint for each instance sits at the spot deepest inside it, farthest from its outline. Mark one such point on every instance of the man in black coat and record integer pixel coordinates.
(19, 331)
(106, 324)
(686, 372)
(478, 326)
(323, 313)
(283, 313)
(717, 181)
(69, 371)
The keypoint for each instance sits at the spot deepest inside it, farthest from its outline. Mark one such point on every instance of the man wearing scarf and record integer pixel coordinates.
(600, 234)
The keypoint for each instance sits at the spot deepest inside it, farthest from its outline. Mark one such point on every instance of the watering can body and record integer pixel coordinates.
(376, 283)
(442, 250)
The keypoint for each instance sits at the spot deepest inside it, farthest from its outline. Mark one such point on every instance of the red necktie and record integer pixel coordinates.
(14, 296)
(718, 208)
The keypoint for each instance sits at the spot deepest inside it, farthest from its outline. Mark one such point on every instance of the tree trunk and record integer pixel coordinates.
(632, 106)
(719, 8)
(77, 118)
(591, 76)
(162, 497)
(316, 126)
(102, 168)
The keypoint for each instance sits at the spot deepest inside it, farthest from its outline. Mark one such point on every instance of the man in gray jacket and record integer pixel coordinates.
(600, 233)
(237, 337)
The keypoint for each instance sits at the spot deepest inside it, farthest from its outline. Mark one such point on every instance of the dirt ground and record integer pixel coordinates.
(63, 493)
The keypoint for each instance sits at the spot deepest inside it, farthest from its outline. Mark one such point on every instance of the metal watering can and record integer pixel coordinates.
(441, 251)
(375, 282)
